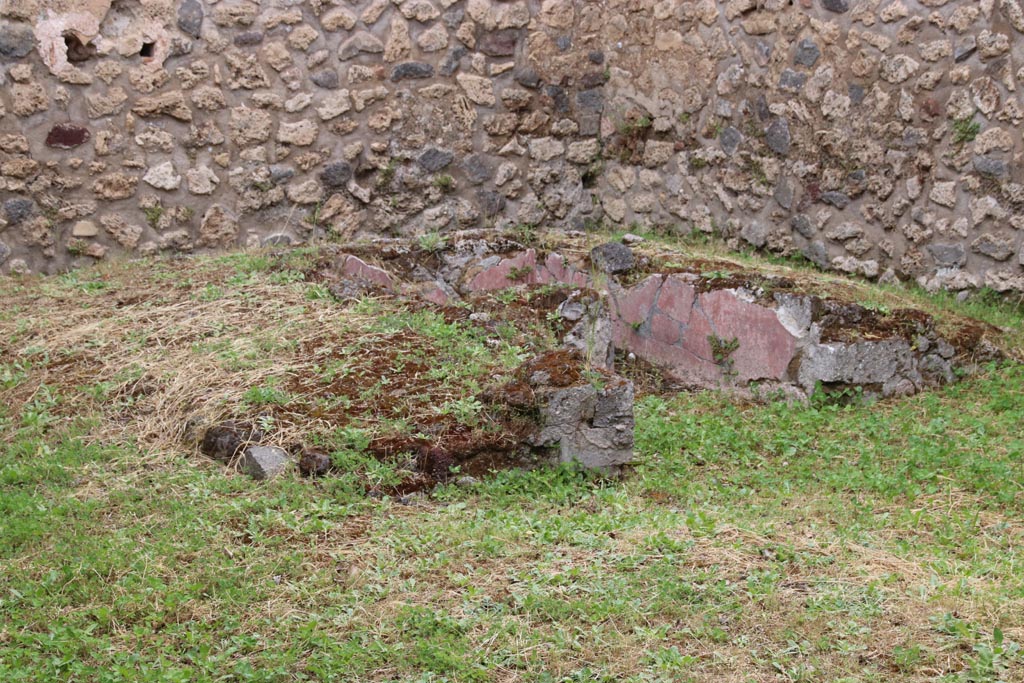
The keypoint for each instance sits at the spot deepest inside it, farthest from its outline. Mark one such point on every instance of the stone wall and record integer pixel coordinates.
(878, 137)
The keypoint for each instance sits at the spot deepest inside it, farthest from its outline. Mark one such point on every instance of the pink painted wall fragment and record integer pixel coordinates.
(358, 268)
(765, 346)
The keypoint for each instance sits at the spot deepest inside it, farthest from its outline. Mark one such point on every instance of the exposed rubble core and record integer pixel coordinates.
(876, 138)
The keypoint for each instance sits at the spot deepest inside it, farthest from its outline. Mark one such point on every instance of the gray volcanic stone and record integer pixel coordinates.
(434, 159)
(807, 52)
(802, 224)
(948, 255)
(593, 336)
(18, 209)
(453, 17)
(990, 166)
(411, 70)
(450, 63)
(5, 253)
(998, 248)
(592, 99)
(279, 174)
(837, 6)
(817, 253)
(336, 174)
(326, 78)
(756, 233)
(491, 203)
(784, 193)
(777, 136)
(965, 47)
(528, 78)
(264, 462)
(836, 199)
(613, 257)
(478, 168)
(190, 17)
(248, 38)
(730, 139)
(791, 80)
(16, 40)
(560, 98)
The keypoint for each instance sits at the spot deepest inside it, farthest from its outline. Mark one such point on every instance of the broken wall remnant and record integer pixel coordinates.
(705, 325)
(701, 323)
(875, 139)
(581, 414)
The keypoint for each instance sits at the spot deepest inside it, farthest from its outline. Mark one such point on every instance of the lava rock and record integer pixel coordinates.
(477, 168)
(802, 224)
(528, 78)
(807, 52)
(450, 63)
(837, 6)
(18, 209)
(336, 174)
(313, 463)
(264, 462)
(433, 159)
(225, 441)
(67, 136)
(560, 98)
(491, 203)
(499, 43)
(248, 38)
(280, 173)
(326, 78)
(592, 99)
(792, 81)
(16, 40)
(777, 136)
(411, 70)
(948, 255)
(730, 139)
(965, 47)
(190, 17)
(990, 166)
(837, 199)
(613, 257)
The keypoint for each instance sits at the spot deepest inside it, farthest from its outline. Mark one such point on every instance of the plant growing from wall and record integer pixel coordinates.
(965, 130)
(431, 242)
(153, 215)
(386, 174)
(519, 272)
(721, 352)
(445, 183)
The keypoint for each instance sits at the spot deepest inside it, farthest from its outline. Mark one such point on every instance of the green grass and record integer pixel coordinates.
(752, 542)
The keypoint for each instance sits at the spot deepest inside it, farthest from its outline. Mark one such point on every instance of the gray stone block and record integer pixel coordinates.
(264, 462)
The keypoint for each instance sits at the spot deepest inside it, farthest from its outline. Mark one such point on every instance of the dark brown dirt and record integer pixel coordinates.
(847, 322)
(559, 368)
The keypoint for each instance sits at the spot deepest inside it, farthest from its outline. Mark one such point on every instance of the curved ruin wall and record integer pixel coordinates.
(878, 137)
